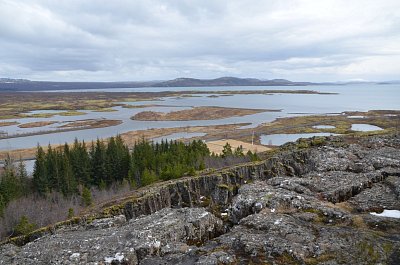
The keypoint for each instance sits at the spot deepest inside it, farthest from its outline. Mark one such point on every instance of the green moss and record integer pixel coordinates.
(72, 113)
(366, 250)
(302, 145)
(387, 247)
(318, 141)
(105, 110)
(113, 210)
(41, 115)
(286, 259)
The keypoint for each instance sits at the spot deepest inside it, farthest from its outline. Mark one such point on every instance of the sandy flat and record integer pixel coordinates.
(217, 146)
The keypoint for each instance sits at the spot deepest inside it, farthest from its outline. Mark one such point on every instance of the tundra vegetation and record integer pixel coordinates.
(69, 178)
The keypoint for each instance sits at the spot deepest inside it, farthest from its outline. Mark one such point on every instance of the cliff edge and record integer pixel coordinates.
(321, 201)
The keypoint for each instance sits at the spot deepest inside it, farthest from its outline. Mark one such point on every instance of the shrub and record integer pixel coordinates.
(24, 227)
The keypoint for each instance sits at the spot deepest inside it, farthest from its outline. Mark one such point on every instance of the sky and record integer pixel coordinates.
(137, 40)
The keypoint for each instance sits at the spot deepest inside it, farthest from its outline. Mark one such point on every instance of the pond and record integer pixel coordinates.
(280, 139)
(361, 127)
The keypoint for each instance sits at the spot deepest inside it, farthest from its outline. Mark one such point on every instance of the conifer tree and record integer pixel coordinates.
(24, 227)
(227, 151)
(40, 181)
(86, 196)
(99, 163)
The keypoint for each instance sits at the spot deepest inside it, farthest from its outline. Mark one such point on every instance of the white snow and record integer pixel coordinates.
(75, 255)
(118, 256)
(388, 213)
(355, 117)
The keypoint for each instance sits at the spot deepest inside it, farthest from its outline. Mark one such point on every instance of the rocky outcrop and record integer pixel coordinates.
(301, 206)
(113, 240)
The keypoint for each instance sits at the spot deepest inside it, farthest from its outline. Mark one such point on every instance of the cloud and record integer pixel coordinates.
(155, 39)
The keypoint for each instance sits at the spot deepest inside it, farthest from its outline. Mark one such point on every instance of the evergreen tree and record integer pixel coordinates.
(52, 160)
(99, 163)
(80, 162)
(239, 151)
(86, 196)
(227, 150)
(40, 180)
(10, 186)
(148, 177)
(70, 213)
(69, 184)
(24, 227)
(2, 204)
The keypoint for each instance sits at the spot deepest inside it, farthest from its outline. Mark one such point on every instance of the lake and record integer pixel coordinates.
(349, 98)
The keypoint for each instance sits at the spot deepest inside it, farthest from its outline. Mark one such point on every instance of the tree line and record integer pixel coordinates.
(77, 168)
(68, 168)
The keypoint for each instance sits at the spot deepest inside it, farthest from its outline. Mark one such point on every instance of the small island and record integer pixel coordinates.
(197, 113)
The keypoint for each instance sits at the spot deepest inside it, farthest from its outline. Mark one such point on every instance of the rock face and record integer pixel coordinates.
(115, 240)
(301, 206)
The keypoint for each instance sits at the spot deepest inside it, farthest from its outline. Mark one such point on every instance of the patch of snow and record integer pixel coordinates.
(118, 256)
(355, 117)
(157, 244)
(272, 210)
(388, 213)
(203, 215)
(277, 222)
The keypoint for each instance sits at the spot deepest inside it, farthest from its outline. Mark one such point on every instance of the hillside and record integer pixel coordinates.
(7, 84)
(314, 202)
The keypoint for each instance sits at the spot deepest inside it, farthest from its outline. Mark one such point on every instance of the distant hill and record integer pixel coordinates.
(227, 81)
(17, 85)
(8, 84)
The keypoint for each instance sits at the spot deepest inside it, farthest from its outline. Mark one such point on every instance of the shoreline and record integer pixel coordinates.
(388, 120)
(97, 124)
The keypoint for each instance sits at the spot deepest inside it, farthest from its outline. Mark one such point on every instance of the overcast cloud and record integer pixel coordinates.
(103, 40)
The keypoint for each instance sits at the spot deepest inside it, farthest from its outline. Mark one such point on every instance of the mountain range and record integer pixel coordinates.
(9, 84)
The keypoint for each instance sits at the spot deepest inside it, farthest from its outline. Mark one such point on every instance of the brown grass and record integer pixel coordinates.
(91, 123)
(217, 146)
(197, 113)
(36, 124)
(7, 123)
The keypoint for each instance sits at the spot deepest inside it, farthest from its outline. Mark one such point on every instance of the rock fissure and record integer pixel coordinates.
(301, 206)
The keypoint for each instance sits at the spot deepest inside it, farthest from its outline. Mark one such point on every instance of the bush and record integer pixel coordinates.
(86, 196)
(70, 213)
(24, 227)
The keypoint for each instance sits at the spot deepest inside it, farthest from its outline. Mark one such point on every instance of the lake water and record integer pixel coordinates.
(29, 165)
(360, 127)
(349, 98)
(283, 138)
